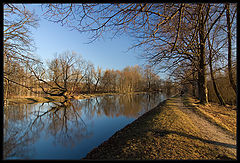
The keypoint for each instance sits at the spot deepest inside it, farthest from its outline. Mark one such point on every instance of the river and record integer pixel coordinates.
(54, 131)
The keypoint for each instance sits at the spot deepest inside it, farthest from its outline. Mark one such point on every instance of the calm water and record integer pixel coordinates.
(54, 131)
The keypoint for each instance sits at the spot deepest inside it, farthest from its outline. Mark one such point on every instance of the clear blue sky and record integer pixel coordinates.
(52, 38)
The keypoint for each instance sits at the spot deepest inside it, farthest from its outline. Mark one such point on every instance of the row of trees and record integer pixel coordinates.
(222, 83)
(219, 59)
(172, 35)
(219, 82)
(192, 42)
(18, 48)
(68, 74)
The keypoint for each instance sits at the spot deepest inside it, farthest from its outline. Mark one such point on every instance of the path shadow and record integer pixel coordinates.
(49, 98)
(162, 133)
(32, 99)
(188, 105)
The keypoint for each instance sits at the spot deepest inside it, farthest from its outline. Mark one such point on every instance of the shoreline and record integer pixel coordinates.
(35, 99)
(166, 132)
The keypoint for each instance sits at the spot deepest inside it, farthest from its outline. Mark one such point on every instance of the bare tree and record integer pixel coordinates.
(18, 43)
(62, 76)
(108, 81)
(97, 77)
(229, 33)
(211, 52)
(89, 77)
(150, 77)
(169, 33)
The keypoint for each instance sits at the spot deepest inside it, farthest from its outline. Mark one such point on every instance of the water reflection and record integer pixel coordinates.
(23, 126)
(32, 130)
(129, 105)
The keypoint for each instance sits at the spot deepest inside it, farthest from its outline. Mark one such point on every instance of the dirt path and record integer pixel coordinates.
(209, 131)
(173, 130)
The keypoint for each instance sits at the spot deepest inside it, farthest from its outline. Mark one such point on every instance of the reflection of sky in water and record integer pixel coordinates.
(50, 131)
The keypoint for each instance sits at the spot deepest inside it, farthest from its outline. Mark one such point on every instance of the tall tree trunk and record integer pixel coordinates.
(5, 68)
(6, 90)
(193, 84)
(149, 85)
(222, 102)
(202, 88)
(230, 49)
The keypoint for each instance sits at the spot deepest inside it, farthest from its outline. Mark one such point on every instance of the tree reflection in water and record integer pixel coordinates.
(128, 105)
(61, 120)
(65, 123)
(16, 137)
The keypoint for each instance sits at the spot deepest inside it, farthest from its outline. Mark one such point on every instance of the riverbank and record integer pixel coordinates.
(177, 129)
(34, 99)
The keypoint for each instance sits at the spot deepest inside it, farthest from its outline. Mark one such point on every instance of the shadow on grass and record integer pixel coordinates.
(32, 99)
(48, 98)
(162, 133)
(187, 105)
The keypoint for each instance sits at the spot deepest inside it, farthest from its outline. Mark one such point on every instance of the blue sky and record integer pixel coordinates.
(51, 38)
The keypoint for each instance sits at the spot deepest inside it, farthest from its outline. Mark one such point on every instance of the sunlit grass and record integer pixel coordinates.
(165, 133)
(224, 117)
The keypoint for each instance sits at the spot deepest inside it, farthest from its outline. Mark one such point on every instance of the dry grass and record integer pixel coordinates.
(164, 133)
(224, 117)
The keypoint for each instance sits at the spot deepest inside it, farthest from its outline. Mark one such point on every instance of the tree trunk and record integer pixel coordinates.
(149, 85)
(214, 83)
(230, 49)
(6, 89)
(202, 88)
(95, 87)
(193, 85)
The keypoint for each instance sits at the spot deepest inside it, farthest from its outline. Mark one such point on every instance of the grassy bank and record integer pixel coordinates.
(164, 132)
(224, 117)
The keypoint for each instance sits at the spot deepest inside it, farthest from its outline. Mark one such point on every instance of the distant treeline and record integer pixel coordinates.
(69, 74)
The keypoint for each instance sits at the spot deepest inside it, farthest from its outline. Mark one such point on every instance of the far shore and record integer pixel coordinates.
(35, 99)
